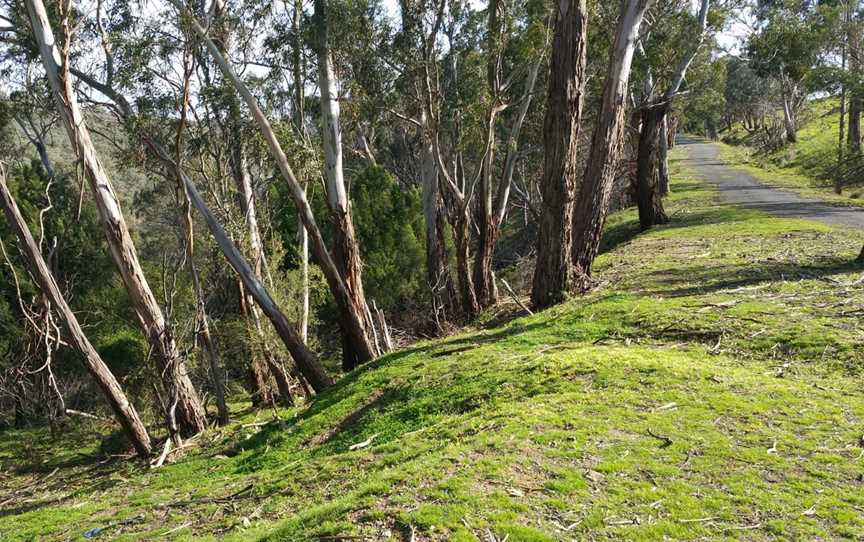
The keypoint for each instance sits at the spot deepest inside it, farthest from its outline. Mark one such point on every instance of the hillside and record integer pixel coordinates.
(709, 388)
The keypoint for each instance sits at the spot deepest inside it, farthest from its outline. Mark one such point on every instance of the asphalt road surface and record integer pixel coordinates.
(741, 188)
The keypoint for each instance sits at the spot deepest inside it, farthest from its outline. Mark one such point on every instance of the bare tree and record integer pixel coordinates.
(123, 410)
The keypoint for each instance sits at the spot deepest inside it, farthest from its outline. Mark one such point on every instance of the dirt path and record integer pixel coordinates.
(741, 188)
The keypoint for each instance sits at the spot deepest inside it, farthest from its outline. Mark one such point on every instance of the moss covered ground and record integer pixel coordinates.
(709, 388)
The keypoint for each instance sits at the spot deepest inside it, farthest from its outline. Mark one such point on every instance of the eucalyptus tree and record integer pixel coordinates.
(654, 108)
(554, 273)
(467, 98)
(227, 112)
(592, 203)
(346, 250)
(788, 46)
(352, 321)
(306, 361)
(414, 48)
(124, 411)
(185, 412)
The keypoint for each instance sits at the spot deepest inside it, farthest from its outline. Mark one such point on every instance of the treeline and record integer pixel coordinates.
(246, 189)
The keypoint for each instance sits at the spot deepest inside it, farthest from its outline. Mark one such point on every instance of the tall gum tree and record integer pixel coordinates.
(357, 338)
(346, 249)
(592, 205)
(553, 273)
(185, 409)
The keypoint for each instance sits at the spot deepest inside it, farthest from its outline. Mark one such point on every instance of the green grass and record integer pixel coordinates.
(800, 167)
(708, 389)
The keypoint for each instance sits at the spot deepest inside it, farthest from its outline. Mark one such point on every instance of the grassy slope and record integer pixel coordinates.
(799, 166)
(709, 388)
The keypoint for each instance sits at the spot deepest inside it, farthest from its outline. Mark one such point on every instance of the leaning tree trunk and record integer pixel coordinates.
(346, 250)
(648, 196)
(305, 360)
(123, 410)
(352, 320)
(243, 184)
(186, 406)
(592, 205)
(553, 273)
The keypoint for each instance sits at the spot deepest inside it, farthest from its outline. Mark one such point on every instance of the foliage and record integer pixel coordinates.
(389, 223)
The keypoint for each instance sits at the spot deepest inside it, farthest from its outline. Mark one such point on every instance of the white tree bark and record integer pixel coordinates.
(356, 332)
(189, 411)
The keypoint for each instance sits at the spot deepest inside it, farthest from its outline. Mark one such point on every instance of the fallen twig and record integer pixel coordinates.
(666, 440)
(515, 297)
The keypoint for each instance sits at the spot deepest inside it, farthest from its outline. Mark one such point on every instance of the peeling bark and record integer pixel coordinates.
(553, 272)
(190, 417)
(592, 205)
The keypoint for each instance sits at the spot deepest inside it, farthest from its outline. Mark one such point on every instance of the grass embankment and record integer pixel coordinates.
(803, 167)
(709, 388)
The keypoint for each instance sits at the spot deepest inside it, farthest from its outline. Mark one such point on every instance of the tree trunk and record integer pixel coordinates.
(855, 104)
(190, 416)
(258, 384)
(648, 160)
(663, 159)
(300, 124)
(672, 124)
(306, 360)
(352, 319)
(203, 319)
(553, 273)
(484, 277)
(123, 410)
(346, 250)
(856, 101)
(437, 270)
(462, 239)
(592, 205)
(789, 118)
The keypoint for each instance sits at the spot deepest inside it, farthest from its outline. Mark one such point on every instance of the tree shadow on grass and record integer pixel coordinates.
(699, 280)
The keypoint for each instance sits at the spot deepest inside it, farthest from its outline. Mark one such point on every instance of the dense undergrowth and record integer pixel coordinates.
(709, 388)
(812, 166)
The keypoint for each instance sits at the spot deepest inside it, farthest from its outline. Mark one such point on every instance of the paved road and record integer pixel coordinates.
(741, 188)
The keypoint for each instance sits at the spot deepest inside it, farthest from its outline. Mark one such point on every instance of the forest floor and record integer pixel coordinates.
(710, 388)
